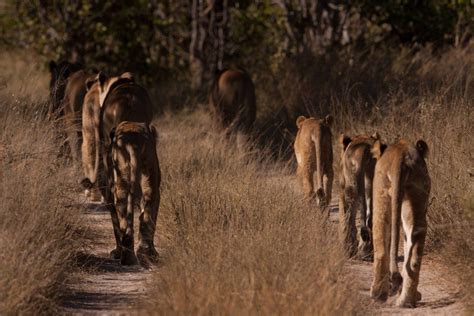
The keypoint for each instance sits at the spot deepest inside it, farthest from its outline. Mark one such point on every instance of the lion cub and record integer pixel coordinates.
(136, 178)
(313, 150)
(401, 189)
(358, 166)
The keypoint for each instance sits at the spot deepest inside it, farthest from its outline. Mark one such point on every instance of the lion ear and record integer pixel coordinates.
(328, 120)
(422, 148)
(127, 75)
(102, 78)
(90, 82)
(375, 136)
(300, 120)
(377, 149)
(344, 140)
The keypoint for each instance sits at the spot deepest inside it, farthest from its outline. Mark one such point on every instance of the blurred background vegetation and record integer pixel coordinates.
(189, 40)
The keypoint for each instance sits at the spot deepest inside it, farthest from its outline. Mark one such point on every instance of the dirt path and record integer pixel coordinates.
(103, 286)
(106, 287)
(440, 294)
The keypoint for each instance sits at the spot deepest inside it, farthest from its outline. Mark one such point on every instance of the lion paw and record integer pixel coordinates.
(128, 258)
(397, 281)
(418, 296)
(378, 295)
(405, 303)
(116, 254)
(147, 255)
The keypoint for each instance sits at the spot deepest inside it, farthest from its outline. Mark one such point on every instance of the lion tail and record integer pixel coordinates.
(134, 177)
(396, 207)
(319, 165)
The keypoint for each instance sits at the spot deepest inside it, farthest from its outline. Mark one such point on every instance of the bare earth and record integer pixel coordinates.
(105, 287)
(440, 294)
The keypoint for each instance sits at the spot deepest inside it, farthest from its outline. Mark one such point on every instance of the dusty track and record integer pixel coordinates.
(105, 287)
(440, 294)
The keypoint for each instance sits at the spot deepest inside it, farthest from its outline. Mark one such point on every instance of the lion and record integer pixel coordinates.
(401, 189)
(358, 165)
(67, 89)
(232, 100)
(136, 178)
(108, 102)
(57, 84)
(313, 150)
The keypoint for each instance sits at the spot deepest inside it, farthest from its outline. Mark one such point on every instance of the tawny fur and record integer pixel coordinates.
(124, 100)
(67, 88)
(90, 134)
(232, 100)
(135, 180)
(313, 150)
(357, 173)
(401, 189)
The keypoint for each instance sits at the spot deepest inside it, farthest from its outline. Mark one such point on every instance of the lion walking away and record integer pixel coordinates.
(357, 174)
(400, 191)
(232, 101)
(136, 179)
(313, 150)
(109, 101)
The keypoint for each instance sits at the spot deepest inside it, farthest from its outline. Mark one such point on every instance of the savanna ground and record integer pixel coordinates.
(233, 233)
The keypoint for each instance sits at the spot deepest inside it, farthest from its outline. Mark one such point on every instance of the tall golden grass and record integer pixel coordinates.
(38, 234)
(235, 236)
(410, 93)
(233, 233)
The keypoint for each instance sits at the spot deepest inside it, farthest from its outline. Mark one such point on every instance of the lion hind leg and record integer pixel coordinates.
(117, 252)
(347, 217)
(365, 242)
(123, 201)
(381, 241)
(146, 249)
(415, 233)
(328, 179)
(307, 180)
(151, 200)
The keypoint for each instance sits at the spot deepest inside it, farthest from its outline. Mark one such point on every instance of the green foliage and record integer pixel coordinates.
(153, 38)
(413, 21)
(257, 30)
(111, 35)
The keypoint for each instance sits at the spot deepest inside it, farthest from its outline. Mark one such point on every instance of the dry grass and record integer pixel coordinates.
(38, 235)
(234, 235)
(402, 93)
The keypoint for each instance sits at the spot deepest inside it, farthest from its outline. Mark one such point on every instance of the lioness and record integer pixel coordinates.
(57, 84)
(232, 100)
(358, 166)
(313, 150)
(400, 191)
(108, 102)
(67, 89)
(136, 178)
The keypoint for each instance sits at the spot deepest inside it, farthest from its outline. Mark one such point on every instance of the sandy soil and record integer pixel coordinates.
(105, 287)
(440, 294)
